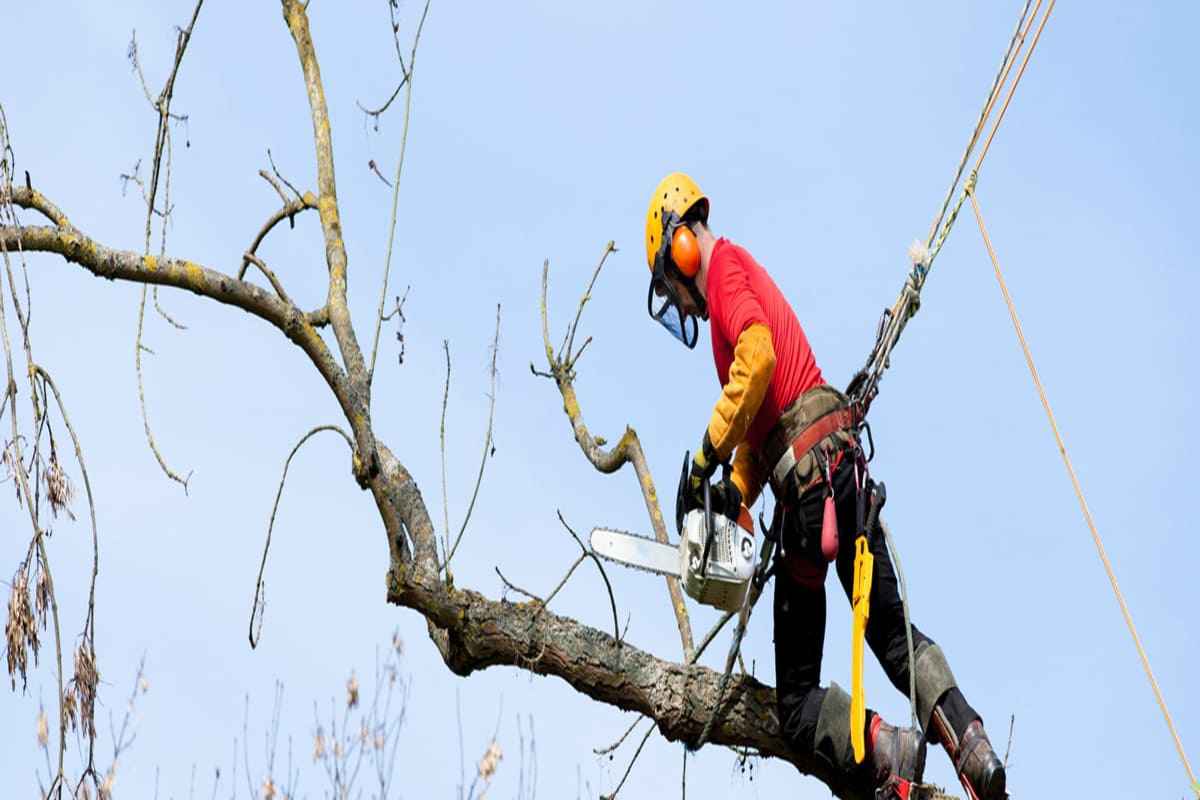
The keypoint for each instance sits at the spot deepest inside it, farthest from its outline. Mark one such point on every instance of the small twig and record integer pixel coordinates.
(603, 751)
(378, 112)
(163, 107)
(398, 311)
(512, 586)
(250, 258)
(138, 348)
(629, 768)
(488, 448)
(162, 251)
(284, 180)
(259, 602)
(445, 491)
(135, 62)
(276, 185)
(462, 774)
(571, 571)
(571, 364)
(407, 83)
(89, 622)
(603, 574)
(683, 778)
(289, 211)
(399, 307)
(1008, 749)
(564, 353)
(176, 324)
(371, 165)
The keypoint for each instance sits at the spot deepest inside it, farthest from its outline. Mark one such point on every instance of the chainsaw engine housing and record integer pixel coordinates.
(730, 560)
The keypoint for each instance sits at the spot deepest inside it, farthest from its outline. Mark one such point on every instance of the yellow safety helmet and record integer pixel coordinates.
(672, 253)
(678, 195)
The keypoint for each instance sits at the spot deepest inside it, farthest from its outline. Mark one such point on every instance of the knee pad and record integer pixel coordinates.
(832, 740)
(933, 680)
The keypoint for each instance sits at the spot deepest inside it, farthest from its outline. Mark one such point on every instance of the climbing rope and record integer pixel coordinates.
(969, 187)
(865, 385)
(1014, 47)
(1087, 514)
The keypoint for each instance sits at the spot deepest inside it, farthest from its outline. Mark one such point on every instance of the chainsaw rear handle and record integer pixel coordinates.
(709, 523)
(708, 528)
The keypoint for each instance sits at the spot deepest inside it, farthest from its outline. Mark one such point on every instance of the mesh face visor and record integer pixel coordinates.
(665, 308)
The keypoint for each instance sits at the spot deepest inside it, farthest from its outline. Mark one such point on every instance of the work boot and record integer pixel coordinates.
(898, 756)
(977, 762)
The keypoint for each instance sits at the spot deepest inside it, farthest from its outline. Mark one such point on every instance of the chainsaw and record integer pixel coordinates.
(715, 558)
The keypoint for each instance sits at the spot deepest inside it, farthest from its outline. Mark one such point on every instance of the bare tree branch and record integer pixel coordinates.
(289, 210)
(629, 768)
(335, 249)
(90, 621)
(627, 450)
(406, 81)
(161, 144)
(488, 447)
(250, 258)
(259, 607)
(105, 262)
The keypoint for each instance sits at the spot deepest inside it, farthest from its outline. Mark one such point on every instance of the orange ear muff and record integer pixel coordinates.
(685, 251)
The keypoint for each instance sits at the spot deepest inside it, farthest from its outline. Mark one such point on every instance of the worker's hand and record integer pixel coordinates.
(725, 498)
(704, 464)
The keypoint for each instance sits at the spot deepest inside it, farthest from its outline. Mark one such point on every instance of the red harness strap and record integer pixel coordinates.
(809, 438)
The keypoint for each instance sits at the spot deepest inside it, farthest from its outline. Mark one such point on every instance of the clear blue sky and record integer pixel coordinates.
(825, 135)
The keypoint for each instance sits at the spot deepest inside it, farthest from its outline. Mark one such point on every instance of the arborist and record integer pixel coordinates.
(782, 424)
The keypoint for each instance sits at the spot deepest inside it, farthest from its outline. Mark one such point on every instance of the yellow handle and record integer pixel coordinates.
(860, 600)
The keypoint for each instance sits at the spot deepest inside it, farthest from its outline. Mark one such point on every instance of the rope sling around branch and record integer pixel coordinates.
(1087, 514)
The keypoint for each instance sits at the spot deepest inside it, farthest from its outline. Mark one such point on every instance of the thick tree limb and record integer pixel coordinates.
(484, 633)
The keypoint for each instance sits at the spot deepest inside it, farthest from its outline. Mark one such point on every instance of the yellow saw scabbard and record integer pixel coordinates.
(864, 568)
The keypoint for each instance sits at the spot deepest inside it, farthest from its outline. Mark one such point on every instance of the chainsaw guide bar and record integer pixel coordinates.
(639, 552)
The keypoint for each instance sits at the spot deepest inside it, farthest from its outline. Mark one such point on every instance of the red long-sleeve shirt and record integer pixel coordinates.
(740, 293)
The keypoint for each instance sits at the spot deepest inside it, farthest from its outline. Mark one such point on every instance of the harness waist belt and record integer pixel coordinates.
(809, 438)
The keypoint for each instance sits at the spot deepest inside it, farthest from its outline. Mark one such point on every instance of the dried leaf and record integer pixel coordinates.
(43, 729)
(489, 762)
(20, 631)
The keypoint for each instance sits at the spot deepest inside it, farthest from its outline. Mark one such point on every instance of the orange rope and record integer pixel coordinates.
(1024, 24)
(1012, 89)
(1087, 515)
